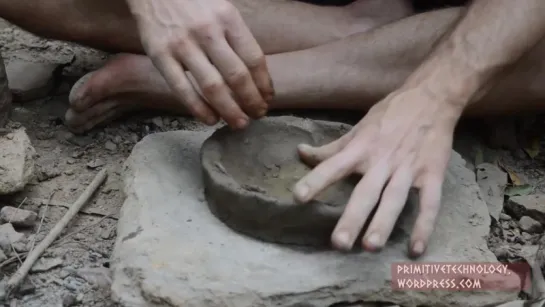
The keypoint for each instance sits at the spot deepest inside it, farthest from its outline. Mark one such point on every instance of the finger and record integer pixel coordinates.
(430, 203)
(314, 155)
(324, 175)
(362, 201)
(246, 46)
(238, 77)
(180, 85)
(211, 83)
(392, 203)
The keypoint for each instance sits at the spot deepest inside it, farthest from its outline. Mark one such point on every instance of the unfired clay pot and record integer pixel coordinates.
(249, 176)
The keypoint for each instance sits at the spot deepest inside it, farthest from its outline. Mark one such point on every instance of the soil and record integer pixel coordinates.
(67, 163)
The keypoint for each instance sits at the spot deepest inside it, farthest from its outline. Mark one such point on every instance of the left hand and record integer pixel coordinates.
(404, 141)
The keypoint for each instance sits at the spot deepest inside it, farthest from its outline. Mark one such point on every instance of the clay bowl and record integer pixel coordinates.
(249, 176)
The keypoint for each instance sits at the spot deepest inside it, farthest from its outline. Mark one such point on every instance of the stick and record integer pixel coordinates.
(22, 272)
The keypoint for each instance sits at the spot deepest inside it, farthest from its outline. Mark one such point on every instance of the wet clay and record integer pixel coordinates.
(5, 95)
(249, 176)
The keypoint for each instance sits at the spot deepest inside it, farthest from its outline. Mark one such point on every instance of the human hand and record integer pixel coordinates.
(210, 40)
(404, 141)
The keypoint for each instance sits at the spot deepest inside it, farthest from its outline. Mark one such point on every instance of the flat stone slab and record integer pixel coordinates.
(249, 175)
(172, 251)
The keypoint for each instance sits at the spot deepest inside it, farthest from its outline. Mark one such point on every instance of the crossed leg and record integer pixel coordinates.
(279, 26)
(351, 73)
(328, 73)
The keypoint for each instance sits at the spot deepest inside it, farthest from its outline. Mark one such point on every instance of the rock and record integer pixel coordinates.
(46, 264)
(158, 121)
(249, 176)
(5, 95)
(530, 205)
(3, 256)
(99, 277)
(109, 145)
(18, 217)
(47, 172)
(504, 217)
(9, 236)
(69, 300)
(16, 161)
(20, 247)
(96, 163)
(179, 254)
(530, 225)
(29, 80)
(492, 181)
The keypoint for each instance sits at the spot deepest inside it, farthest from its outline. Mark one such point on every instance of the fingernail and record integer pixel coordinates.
(373, 240)
(301, 192)
(82, 102)
(343, 240)
(418, 248)
(242, 123)
(261, 112)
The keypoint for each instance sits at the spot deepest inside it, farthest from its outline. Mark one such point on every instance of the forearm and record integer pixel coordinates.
(489, 38)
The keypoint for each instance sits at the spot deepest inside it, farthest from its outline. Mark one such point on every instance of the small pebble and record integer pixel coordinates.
(46, 264)
(158, 121)
(69, 300)
(18, 217)
(530, 225)
(504, 217)
(72, 284)
(96, 163)
(111, 146)
(118, 139)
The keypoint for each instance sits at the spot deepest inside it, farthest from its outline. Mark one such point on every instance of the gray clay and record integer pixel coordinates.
(249, 176)
(5, 95)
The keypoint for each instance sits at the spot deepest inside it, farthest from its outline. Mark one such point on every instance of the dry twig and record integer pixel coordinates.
(32, 256)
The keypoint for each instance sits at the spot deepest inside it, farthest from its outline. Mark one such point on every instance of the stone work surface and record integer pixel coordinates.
(5, 95)
(171, 251)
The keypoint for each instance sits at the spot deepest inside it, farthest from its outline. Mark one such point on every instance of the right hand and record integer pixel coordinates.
(210, 39)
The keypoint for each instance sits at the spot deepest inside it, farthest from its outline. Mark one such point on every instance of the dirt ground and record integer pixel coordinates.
(67, 163)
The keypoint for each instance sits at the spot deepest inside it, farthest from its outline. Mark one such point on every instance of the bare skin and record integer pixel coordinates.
(416, 116)
(405, 140)
(220, 42)
(360, 70)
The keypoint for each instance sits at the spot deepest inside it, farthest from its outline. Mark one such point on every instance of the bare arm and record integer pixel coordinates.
(492, 36)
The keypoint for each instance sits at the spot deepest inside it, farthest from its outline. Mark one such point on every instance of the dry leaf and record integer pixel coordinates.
(520, 190)
(513, 177)
(533, 150)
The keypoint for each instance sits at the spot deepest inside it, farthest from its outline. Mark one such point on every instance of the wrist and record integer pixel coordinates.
(448, 79)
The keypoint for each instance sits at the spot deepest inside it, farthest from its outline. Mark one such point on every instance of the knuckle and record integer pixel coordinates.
(239, 78)
(179, 41)
(203, 27)
(256, 61)
(158, 51)
(227, 12)
(212, 87)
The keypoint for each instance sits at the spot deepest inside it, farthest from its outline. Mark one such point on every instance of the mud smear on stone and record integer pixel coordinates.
(250, 175)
